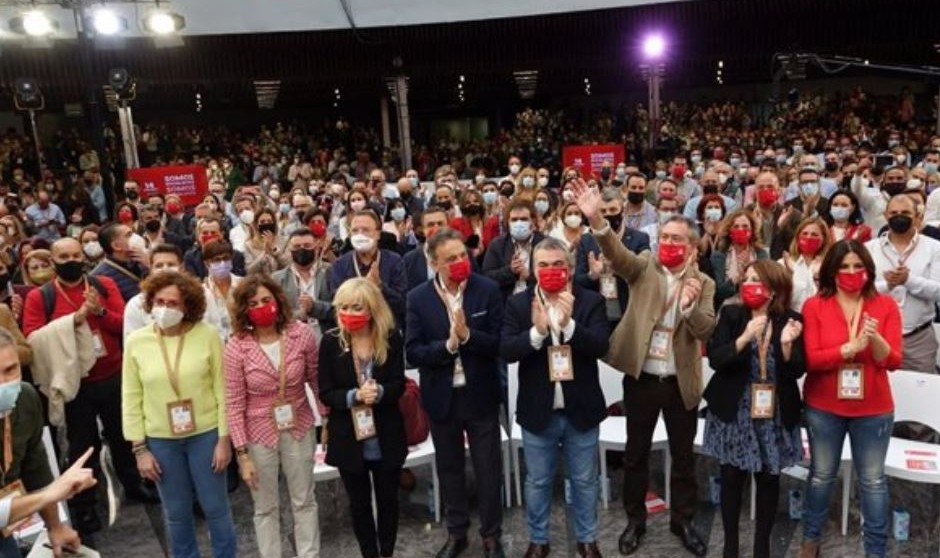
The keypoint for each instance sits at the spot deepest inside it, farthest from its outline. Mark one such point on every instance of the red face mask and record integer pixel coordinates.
(767, 197)
(353, 322)
(263, 316)
(552, 279)
(678, 172)
(125, 216)
(173, 208)
(672, 255)
(754, 295)
(740, 236)
(318, 228)
(809, 245)
(208, 237)
(459, 270)
(852, 281)
(430, 232)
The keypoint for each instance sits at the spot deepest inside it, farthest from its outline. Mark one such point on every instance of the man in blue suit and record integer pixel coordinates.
(592, 271)
(453, 338)
(557, 332)
(417, 267)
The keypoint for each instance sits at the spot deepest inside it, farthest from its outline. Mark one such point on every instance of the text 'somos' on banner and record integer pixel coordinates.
(189, 182)
(589, 159)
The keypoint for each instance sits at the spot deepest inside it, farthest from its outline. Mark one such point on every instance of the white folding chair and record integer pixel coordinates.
(515, 431)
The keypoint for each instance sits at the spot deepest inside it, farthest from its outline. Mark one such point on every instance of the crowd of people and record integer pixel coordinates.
(302, 288)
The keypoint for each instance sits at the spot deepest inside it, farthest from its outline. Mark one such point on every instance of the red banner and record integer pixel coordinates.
(188, 182)
(590, 158)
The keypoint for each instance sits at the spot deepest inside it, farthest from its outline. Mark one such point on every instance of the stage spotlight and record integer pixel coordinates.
(33, 23)
(26, 94)
(161, 22)
(106, 22)
(654, 46)
(123, 85)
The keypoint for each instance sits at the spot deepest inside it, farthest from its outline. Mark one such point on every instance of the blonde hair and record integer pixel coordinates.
(362, 291)
(823, 231)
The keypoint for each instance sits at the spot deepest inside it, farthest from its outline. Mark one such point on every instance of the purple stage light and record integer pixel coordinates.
(654, 46)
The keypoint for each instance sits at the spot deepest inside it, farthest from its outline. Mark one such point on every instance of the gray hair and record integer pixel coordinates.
(440, 237)
(550, 243)
(611, 194)
(694, 237)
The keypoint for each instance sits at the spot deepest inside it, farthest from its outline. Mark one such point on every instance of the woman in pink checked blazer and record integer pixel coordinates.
(269, 360)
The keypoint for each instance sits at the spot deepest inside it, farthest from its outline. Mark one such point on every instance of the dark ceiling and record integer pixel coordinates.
(600, 45)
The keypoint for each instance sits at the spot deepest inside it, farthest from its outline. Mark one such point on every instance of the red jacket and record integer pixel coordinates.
(110, 325)
(490, 229)
(825, 330)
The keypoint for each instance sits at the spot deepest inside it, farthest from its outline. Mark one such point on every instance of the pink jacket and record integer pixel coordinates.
(252, 383)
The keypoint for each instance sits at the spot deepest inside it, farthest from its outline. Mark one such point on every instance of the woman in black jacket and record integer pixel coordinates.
(753, 419)
(362, 375)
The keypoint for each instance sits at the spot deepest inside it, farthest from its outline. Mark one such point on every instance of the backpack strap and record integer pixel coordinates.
(48, 298)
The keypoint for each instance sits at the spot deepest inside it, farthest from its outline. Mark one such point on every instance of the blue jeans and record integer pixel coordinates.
(9, 549)
(541, 460)
(186, 464)
(869, 437)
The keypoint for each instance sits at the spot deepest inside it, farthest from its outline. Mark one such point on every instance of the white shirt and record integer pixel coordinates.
(932, 217)
(873, 203)
(217, 307)
(803, 284)
(653, 232)
(273, 352)
(237, 237)
(536, 339)
(669, 320)
(917, 299)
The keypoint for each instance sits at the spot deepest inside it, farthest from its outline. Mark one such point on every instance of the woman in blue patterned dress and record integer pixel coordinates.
(753, 420)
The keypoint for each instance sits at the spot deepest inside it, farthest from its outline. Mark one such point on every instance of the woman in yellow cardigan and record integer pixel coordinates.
(174, 412)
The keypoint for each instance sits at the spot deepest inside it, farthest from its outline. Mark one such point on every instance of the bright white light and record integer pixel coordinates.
(654, 46)
(161, 23)
(106, 22)
(36, 23)
(721, 63)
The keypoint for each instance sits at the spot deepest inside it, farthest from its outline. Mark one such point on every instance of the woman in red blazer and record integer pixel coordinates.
(852, 337)
(474, 221)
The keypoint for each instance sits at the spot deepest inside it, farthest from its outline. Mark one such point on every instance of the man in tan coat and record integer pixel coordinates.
(658, 345)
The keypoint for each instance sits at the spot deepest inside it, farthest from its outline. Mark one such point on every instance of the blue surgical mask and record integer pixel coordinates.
(809, 188)
(840, 213)
(220, 270)
(398, 214)
(930, 167)
(735, 161)
(414, 181)
(665, 216)
(712, 214)
(9, 393)
(284, 208)
(541, 206)
(660, 174)
(520, 230)
(489, 198)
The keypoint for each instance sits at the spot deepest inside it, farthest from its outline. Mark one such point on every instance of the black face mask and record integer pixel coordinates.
(900, 223)
(893, 188)
(131, 194)
(472, 210)
(605, 174)
(709, 189)
(267, 227)
(152, 226)
(832, 167)
(614, 221)
(445, 205)
(4, 280)
(405, 195)
(303, 257)
(419, 236)
(635, 198)
(846, 182)
(70, 271)
(506, 192)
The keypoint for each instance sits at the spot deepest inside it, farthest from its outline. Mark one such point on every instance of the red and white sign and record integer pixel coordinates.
(188, 182)
(589, 159)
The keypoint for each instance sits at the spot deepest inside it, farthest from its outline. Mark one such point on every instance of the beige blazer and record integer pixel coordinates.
(630, 340)
(63, 353)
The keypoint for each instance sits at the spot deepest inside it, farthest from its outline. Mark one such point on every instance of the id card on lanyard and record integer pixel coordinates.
(453, 304)
(180, 413)
(661, 338)
(763, 393)
(851, 380)
(281, 409)
(560, 362)
(362, 415)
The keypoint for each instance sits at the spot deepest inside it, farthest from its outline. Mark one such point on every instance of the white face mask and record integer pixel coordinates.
(573, 221)
(361, 242)
(567, 195)
(357, 205)
(514, 169)
(92, 249)
(543, 181)
(247, 216)
(528, 182)
(165, 317)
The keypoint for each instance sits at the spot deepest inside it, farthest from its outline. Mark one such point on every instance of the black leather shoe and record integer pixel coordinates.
(589, 550)
(690, 539)
(492, 548)
(630, 538)
(452, 548)
(537, 551)
(143, 493)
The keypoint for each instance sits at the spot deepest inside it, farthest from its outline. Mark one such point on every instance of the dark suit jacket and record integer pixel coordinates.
(194, 264)
(416, 267)
(427, 333)
(496, 262)
(584, 400)
(337, 376)
(635, 241)
(780, 235)
(392, 273)
(732, 369)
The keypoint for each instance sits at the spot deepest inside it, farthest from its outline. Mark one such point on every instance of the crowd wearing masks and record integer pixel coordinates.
(800, 264)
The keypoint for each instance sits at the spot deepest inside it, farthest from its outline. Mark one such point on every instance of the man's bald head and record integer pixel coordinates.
(65, 244)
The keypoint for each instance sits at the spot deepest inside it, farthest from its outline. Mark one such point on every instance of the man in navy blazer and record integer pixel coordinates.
(590, 268)
(508, 259)
(563, 402)
(416, 261)
(453, 338)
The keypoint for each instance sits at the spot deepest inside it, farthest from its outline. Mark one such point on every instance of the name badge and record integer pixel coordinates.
(560, 365)
(14, 489)
(363, 422)
(851, 381)
(97, 345)
(284, 416)
(609, 287)
(659, 344)
(182, 418)
(460, 378)
(762, 401)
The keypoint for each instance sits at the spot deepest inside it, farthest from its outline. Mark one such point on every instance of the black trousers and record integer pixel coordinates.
(768, 494)
(644, 398)
(486, 455)
(359, 488)
(99, 400)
